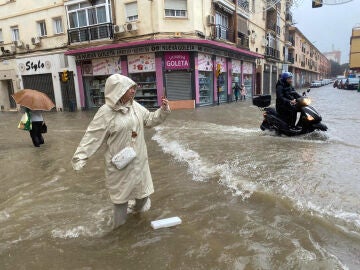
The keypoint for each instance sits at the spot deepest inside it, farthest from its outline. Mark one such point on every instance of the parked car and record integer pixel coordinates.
(351, 83)
(315, 84)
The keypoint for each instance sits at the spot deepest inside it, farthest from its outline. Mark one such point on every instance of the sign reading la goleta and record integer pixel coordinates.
(177, 60)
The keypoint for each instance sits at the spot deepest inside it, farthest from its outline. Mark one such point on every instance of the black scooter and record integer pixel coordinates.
(310, 119)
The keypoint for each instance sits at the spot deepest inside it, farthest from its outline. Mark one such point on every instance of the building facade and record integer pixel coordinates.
(168, 47)
(307, 63)
(354, 60)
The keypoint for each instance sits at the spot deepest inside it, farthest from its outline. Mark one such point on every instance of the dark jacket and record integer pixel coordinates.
(284, 94)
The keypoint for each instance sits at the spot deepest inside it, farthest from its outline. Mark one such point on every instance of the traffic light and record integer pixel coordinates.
(317, 3)
(65, 76)
(218, 70)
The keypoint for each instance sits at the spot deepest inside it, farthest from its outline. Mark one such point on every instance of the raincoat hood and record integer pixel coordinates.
(115, 87)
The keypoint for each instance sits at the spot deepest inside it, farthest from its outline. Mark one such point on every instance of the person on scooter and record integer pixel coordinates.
(286, 99)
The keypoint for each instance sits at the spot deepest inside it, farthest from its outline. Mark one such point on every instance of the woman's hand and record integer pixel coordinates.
(165, 104)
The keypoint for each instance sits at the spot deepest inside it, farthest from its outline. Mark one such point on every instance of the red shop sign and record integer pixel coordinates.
(177, 60)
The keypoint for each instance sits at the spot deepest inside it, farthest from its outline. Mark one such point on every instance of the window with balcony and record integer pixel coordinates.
(222, 26)
(89, 21)
(57, 24)
(131, 12)
(15, 35)
(41, 26)
(176, 8)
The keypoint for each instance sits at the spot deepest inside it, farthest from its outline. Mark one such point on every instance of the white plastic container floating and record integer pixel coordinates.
(166, 222)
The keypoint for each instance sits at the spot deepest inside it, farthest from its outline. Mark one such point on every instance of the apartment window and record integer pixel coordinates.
(222, 25)
(84, 14)
(1, 36)
(57, 23)
(131, 12)
(41, 28)
(15, 33)
(176, 8)
(253, 6)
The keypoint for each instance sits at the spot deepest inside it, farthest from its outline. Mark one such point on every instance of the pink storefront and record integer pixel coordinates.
(182, 69)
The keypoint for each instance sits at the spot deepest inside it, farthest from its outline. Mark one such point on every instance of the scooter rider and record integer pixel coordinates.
(286, 98)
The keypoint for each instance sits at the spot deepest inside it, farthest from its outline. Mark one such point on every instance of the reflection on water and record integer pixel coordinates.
(248, 199)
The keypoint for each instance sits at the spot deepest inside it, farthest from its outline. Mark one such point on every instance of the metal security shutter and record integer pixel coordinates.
(178, 85)
(41, 82)
(266, 82)
(274, 80)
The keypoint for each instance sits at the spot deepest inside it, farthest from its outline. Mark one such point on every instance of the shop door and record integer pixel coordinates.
(68, 93)
(266, 83)
(41, 82)
(178, 85)
(10, 92)
(258, 84)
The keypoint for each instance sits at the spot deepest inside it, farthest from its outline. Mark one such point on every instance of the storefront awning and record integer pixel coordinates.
(147, 46)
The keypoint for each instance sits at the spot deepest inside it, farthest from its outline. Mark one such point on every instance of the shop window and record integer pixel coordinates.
(131, 12)
(146, 93)
(176, 8)
(205, 87)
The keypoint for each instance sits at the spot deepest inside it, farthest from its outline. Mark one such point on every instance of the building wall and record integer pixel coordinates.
(25, 18)
(355, 49)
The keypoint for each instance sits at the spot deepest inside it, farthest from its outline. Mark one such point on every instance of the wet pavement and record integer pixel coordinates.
(247, 199)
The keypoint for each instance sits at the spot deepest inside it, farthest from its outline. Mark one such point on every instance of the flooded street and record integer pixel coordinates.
(247, 199)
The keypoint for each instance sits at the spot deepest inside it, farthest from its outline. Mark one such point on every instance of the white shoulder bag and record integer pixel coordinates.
(124, 157)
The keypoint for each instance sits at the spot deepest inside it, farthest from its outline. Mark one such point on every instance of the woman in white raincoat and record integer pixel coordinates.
(120, 123)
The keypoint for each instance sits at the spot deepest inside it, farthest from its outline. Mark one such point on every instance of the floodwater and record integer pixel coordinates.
(247, 199)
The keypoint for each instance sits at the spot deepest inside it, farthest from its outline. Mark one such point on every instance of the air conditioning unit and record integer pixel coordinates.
(264, 42)
(18, 43)
(118, 29)
(35, 40)
(131, 26)
(210, 19)
(12, 49)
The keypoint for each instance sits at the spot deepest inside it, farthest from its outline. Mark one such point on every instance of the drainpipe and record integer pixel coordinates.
(113, 15)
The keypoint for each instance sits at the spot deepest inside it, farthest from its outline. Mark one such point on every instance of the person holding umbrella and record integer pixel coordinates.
(37, 122)
(34, 102)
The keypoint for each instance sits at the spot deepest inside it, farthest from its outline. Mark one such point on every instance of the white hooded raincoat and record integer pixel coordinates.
(114, 123)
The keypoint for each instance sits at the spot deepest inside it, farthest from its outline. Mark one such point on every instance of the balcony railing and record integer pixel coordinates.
(221, 32)
(291, 60)
(89, 33)
(274, 28)
(243, 42)
(272, 53)
(289, 17)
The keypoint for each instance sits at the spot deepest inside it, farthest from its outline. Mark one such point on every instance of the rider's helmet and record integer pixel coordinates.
(286, 75)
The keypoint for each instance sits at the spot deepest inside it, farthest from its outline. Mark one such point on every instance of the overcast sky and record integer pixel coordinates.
(329, 25)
